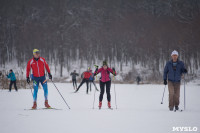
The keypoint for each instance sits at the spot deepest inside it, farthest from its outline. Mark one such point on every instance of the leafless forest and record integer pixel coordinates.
(127, 33)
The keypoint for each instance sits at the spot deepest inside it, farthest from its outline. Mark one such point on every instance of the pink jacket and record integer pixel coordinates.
(105, 74)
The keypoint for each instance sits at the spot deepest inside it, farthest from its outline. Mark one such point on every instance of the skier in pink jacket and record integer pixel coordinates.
(105, 80)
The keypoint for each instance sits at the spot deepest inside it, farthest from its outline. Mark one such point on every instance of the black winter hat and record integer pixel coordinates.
(105, 63)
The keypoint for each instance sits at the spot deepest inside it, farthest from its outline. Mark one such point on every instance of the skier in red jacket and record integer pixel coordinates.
(86, 75)
(105, 81)
(38, 65)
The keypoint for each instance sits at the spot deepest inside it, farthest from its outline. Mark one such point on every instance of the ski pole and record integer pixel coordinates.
(95, 88)
(163, 95)
(60, 94)
(94, 98)
(184, 94)
(31, 89)
(115, 93)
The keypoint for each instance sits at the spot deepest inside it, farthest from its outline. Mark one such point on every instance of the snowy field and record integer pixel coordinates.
(139, 111)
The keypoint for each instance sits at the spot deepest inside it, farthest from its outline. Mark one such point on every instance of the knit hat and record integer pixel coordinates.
(35, 51)
(105, 63)
(174, 53)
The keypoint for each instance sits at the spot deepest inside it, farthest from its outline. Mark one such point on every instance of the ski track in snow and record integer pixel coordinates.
(139, 110)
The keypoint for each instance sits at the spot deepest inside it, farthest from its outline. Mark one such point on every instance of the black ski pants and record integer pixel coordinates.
(13, 82)
(74, 83)
(83, 81)
(102, 87)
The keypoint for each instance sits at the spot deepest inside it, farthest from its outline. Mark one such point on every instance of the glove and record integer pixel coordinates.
(50, 76)
(28, 80)
(165, 82)
(96, 66)
(185, 71)
(113, 71)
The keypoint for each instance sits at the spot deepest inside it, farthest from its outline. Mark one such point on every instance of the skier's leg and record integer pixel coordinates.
(87, 83)
(15, 85)
(90, 85)
(11, 82)
(75, 83)
(35, 86)
(176, 94)
(102, 87)
(171, 95)
(83, 81)
(108, 84)
(45, 87)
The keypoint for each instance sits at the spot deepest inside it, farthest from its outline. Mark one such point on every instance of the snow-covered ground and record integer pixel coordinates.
(139, 111)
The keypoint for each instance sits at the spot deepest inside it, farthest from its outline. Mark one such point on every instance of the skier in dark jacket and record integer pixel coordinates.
(173, 72)
(86, 75)
(105, 80)
(12, 78)
(138, 79)
(91, 81)
(74, 74)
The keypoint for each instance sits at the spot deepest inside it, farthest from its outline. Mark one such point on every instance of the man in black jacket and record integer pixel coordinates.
(74, 74)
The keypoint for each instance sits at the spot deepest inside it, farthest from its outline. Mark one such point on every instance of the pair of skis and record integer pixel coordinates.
(44, 109)
(108, 108)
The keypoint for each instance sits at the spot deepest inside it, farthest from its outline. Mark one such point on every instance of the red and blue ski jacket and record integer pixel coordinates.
(38, 67)
(105, 74)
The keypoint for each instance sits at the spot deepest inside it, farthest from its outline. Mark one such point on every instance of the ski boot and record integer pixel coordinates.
(46, 104)
(100, 104)
(34, 105)
(176, 108)
(109, 105)
(171, 109)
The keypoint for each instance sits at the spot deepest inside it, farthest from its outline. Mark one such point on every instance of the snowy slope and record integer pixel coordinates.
(139, 110)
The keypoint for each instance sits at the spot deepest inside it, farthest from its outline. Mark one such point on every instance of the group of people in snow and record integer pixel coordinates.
(105, 80)
(173, 71)
(88, 78)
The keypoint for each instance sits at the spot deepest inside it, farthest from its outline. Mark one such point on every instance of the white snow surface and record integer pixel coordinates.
(139, 111)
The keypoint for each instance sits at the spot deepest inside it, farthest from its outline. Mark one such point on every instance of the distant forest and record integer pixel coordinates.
(124, 32)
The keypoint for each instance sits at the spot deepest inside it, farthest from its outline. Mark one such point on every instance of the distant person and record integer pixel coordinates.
(105, 81)
(38, 65)
(74, 74)
(91, 81)
(173, 72)
(1, 79)
(12, 78)
(86, 75)
(138, 79)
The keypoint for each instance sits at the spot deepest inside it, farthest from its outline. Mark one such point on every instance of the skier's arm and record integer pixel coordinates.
(166, 70)
(28, 68)
(47, 66)
(77, 74)
(82, 75)
(8, 76)
(111, 70)
(183, 70)
(97, 71)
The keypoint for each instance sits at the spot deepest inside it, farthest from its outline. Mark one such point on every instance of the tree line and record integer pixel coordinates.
(124, 32)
